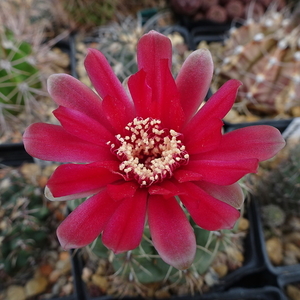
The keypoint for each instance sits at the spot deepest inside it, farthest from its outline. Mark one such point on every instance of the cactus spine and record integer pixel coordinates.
(265, 56)
(22, 224)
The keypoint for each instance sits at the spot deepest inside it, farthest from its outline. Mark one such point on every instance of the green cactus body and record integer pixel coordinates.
(22, 215)
(280, 186)
(19, 78)
(265, 56)
(118, 43)
(143, 267)
(89, 13)
(273, 215)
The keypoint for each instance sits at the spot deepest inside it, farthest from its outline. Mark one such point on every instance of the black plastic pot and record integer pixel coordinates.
(13, 155)
(210, 33)
(276, 276)
(246, 276)
(264, 293)
(279, 276)
(281, 125)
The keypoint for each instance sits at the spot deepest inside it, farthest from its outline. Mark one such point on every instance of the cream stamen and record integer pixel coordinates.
(148, 153)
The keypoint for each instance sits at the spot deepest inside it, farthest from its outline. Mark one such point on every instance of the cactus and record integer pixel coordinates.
(142, 271)
(89, 13)
(22, 218)
(20, 81)
(221, 11)
(280, 185)
(118, 43)
(273, 215)
(265, 56)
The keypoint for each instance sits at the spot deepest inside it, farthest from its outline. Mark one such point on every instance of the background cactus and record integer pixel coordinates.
(280, 184)
(277, 189)
(273, 215)
(27, 58)
(222, 11)
(23, 230)
(118, 41)
(265, 56)
(83, 14)
(19, 77)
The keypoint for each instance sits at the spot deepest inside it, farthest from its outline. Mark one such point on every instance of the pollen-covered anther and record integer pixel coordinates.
(148, 152)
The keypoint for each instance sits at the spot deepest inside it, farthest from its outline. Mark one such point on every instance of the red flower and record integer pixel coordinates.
(144, 144)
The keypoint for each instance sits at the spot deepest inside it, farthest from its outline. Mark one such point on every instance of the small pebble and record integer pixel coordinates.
(45, 270)
(67, 289)
(293, 292)
(36, 286)
(64, 266)
(86, 274)
(16, 292)
(100, 281)
(64, 255)
(54, 275)
(243, 224)
(275, 250)
(221, 270)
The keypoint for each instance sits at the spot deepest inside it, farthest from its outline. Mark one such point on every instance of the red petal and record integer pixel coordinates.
(151, 49)
(219, 172)
(230, 194)
(216, 107)
(183, 175)
(86, 222)
(167, 98)
(194, 79)
(124, 229)
(69, 92)
(105, 81)
(74, 179)
(208, 212)
(167, 189)
(117, 113)
(141, 94)
(261, 142)
(205, 138)
(122, 190)
(52, 142)
(172, 235)
(82, 126)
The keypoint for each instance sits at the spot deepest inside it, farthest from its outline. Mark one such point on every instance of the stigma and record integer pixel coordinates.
(148, 153)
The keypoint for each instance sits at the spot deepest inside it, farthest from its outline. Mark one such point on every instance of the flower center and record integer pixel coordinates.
(148, 152)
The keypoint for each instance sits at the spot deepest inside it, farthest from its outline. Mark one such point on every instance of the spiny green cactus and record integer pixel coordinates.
(119, 40)
(281, 185)
(265, 56)
(19, 77)
(22, 218)
(143, 267)
(273, 215)
(89, 13)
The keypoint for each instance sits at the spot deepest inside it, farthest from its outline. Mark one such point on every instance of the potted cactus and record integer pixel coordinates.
(277, 194)
(216, 16)
(265, 55)
(20, 79)
(32, 263)
(27, 58)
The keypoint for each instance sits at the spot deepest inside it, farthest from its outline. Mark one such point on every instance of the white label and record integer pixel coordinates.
(292, 132)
